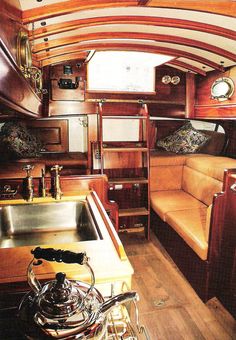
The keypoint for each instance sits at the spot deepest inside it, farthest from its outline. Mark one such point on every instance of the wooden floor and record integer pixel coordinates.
(169, 308)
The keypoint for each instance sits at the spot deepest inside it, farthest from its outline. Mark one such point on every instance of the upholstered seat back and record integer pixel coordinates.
(203, 176)
(199, 185)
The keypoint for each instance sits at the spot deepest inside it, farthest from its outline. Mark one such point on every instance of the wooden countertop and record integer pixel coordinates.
(108, 261)
(104, 260)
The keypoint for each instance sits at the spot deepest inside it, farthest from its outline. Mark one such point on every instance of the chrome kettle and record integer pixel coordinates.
(62, 308)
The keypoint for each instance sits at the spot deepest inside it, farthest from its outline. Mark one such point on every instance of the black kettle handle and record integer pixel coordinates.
(58, 255)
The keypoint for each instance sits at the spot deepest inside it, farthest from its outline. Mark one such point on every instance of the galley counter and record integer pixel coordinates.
(111, 266)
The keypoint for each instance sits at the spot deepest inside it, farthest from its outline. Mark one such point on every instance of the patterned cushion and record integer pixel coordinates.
(184, 140)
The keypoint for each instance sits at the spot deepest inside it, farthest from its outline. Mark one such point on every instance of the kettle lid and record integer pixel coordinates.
(60, 298)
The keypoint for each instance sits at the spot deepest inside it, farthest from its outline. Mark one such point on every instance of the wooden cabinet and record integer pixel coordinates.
(227, 264)
(126, 163)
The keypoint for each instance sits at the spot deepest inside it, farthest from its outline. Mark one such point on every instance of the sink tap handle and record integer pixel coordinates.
(57, 168)
(28, 168)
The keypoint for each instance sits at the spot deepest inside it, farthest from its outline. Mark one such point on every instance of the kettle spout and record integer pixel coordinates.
(117, 300)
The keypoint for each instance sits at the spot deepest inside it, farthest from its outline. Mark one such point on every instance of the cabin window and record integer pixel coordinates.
(120, 71)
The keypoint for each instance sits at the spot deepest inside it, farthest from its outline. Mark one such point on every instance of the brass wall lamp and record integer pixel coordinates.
(24, 55)
(24, 60)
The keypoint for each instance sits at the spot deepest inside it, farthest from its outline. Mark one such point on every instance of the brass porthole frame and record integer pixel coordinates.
(222, 89)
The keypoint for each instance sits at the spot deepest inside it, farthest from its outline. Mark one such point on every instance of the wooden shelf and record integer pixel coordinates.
(133, 212)
(124, 149)
(132, 230)
(138, 180)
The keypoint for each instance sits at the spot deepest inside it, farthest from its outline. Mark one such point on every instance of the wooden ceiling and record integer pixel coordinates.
(200, 35)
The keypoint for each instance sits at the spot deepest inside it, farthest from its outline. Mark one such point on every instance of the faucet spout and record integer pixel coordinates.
(29, 187)
(57, 192)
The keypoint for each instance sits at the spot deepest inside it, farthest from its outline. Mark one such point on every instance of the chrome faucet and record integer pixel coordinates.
(29, 187)
(57, 193)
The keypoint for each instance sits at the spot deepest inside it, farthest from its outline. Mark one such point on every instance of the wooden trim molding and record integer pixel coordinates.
(187, 66)
(135, 35)
(50, 11)
(224, 7)
(141, 20)
(100, 46)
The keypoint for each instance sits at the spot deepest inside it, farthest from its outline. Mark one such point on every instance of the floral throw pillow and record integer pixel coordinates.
(184, 140)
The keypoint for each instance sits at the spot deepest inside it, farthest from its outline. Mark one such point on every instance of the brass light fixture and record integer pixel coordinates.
(24, 56)
(24, 60)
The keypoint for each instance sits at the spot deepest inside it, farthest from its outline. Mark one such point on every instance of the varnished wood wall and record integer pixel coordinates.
(16, 95)
(169, 100)
(205, 106)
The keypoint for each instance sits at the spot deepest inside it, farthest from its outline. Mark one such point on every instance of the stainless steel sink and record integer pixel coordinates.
(46, 223)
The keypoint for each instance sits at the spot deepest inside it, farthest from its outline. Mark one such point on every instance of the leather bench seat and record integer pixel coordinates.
(182, 191)
(193, 226)
(163, 202)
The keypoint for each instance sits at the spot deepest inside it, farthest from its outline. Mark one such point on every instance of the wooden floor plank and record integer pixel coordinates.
(169, 307)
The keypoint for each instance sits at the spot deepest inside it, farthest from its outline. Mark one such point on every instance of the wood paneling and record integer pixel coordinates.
(10, 17)
(190, 95)
(69, 94)
(52, 133)
(15, 91)
(15, 169)
(205, 106)
(227, 265)
(168, 100)
(16, 94)
(68, 101)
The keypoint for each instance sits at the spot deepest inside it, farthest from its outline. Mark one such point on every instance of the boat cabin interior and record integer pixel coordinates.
(118, 138)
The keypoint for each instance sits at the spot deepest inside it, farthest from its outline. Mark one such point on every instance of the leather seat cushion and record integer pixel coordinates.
(163, 202)
(190, 225)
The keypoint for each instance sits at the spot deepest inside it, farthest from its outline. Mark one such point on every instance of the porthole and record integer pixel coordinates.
(222, 89)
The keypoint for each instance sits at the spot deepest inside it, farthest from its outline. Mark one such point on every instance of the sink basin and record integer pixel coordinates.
(46, 223)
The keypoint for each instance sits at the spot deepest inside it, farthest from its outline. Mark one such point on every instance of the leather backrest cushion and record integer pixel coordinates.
(199, 185)
(166, 177)
(212, 166)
